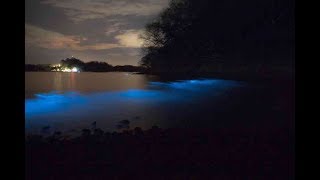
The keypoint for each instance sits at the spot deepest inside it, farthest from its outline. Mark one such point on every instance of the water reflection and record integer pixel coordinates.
(58, 82)
(45, 82)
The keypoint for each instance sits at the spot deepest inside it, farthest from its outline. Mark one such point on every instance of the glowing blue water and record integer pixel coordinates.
(160, 103)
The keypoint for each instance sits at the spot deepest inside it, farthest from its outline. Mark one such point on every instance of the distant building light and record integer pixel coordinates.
(74, 69)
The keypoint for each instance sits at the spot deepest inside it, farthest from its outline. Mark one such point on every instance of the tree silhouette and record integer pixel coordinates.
(190, 34)
(72, 62)
(96, 66)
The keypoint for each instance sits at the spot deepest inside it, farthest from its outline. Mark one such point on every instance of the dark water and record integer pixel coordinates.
(71, 101)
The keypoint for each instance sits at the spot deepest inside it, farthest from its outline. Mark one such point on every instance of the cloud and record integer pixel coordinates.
(36, 36)
(80, 10)
(130, 38)
(48, 39)
(114, 28)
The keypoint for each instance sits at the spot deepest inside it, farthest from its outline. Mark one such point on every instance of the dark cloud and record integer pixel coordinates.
(81, 10)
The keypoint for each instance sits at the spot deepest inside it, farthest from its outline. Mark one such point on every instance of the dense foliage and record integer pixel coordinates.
(192, 35)
(97, 66)
(72, 62)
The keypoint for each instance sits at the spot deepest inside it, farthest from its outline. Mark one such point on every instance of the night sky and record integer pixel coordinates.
(90, 30)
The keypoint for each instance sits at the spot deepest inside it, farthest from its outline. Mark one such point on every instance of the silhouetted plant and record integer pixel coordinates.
(123, 124)
(72, 62)
(138, 131)
(94, 125)
(34, 139)
(45, 130)
(98, 132)
(57, 134)
(55, 137)
(86, 132)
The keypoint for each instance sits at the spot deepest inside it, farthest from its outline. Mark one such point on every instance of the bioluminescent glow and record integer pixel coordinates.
(197, 85)
(51, 103)
(139, 93)
(159, 99)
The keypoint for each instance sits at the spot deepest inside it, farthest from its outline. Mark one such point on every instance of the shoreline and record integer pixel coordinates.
(158, 153)
(226, 76)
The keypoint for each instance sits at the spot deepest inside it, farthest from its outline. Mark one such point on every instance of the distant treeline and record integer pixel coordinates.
(92, 66)
(37, 67)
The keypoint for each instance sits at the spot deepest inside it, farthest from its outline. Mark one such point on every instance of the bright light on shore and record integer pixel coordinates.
(74, 69)
(59, 68)
(66, 70)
